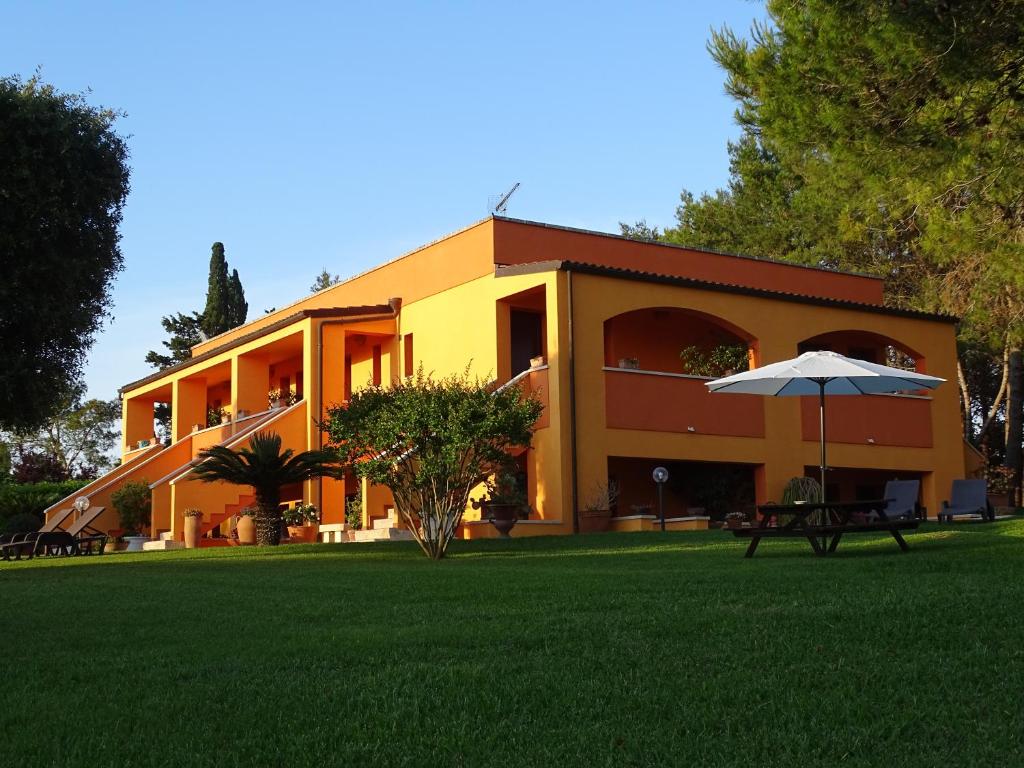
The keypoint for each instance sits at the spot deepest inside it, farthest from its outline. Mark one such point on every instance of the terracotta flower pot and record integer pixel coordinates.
(595, 520)
(192, 525)
(246, 530)
(307, 533)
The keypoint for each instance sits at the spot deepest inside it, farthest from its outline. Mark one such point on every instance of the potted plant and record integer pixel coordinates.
(277, 398)
(631, 363)
(723, 359)
(303, 521)
(133, 502)
(505, 501)
(245, 526)
(216, 416)
(537, 361)
(113, 542)
(597, 509)
(193, 524)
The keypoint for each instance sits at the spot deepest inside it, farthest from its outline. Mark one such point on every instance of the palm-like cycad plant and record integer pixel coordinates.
(267, 468)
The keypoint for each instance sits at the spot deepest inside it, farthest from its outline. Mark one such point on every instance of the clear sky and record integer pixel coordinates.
(342, 134)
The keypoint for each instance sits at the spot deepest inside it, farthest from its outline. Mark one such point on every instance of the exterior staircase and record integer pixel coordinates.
(383, 529)
(217, 518)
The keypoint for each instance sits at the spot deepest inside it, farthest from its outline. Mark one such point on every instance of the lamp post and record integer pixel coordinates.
(660, 475)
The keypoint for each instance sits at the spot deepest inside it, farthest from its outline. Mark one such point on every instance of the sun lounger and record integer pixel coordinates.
(969, 497)
(79, 538)
(901, 500)
(53, 524)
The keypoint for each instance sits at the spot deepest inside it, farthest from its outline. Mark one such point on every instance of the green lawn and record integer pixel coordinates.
(615, 649)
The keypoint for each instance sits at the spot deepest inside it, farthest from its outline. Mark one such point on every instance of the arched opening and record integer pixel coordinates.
(677, 341)
(865, 345)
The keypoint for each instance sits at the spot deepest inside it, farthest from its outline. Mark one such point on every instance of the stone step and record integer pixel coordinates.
(162, 544)
(382, 534)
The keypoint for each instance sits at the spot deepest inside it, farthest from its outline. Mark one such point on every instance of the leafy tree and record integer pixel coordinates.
(75, 443)
(324, 280)
(885, 137)
(184, 334)
(63, 182)
(133, 502)
(265, 467)
(641, 230)
(431, 443)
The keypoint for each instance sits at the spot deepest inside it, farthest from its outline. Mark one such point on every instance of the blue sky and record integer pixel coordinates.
(306, 135)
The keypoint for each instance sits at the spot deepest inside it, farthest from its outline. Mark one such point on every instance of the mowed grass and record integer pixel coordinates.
(631, 649)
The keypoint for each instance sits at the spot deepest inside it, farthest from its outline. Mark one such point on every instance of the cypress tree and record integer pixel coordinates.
(217, 315)
(239, 308)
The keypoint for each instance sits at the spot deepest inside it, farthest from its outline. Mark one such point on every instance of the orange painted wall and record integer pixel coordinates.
(637, 400)
(870, 420)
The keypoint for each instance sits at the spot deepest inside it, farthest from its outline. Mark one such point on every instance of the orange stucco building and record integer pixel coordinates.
(594, 324)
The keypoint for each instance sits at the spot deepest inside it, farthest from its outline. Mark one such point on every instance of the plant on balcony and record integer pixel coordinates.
(720, 360)
(431, 442)
(278, 398)
(215, 416)
(266, 467)
(132, 501)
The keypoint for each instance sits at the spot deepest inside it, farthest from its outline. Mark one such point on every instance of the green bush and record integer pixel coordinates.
(33, 498)
(354, 512)
(23, 522)
(132, 502)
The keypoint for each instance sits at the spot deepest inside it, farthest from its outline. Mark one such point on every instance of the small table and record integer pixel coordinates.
(825, 533)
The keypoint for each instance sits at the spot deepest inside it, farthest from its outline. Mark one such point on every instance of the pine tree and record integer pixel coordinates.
(324, 280)
(217, 315)
(237, 305)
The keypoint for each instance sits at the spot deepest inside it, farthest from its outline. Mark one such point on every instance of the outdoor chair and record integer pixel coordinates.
(79, 538)
(969, 497)
(900, 500)
(53, 524)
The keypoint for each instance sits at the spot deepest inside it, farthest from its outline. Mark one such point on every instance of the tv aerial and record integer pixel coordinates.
(501, 205)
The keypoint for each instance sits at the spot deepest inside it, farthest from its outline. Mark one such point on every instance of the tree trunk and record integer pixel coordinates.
(267, 520)
(1014, 418)
(965, 402)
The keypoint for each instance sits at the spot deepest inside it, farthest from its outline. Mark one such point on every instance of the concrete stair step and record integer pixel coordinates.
(382, 534)
(162, 544)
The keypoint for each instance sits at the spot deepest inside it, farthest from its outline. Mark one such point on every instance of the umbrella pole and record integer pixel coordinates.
(821, 421)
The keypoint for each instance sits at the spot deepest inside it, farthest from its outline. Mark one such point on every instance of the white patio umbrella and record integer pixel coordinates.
(823, 373)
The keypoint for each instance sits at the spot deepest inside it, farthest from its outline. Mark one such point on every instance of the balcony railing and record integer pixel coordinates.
(896, 420)
(673, 402)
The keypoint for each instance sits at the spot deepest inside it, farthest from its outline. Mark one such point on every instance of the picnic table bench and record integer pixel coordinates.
(823, 524)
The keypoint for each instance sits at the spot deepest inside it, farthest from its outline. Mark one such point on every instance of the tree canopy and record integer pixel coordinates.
(64, 178)
(324, 280)
(885, 137)
(431, 442)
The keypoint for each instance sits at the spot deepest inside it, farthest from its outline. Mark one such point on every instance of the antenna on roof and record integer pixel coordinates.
(502, 203)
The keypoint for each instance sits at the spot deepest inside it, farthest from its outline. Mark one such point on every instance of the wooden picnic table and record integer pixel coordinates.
(835, 519)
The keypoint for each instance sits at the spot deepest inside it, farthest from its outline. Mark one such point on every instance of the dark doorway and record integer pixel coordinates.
(527, 331)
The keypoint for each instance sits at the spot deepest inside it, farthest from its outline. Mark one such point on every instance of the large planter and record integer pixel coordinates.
(502, 516)
(246, 530)
(307, 533)
(192, 525)
(135, 542)
(595, 520)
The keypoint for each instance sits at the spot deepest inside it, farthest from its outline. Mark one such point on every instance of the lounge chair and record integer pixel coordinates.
(53, 524)
(78, 539)
(969, 497)
(901, 500)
